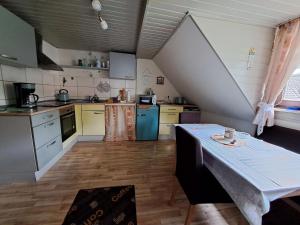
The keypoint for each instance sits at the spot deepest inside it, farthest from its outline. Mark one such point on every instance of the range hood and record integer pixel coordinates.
(44, 61)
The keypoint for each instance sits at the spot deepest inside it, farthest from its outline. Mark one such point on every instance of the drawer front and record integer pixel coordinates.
(48, 151)
(93, 123)
(44, 117)
(171, 108)
(169, 117)
(165, 129)
(45, 132)
(92, 107)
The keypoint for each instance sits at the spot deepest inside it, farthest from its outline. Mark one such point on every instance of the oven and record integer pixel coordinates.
(67, 122)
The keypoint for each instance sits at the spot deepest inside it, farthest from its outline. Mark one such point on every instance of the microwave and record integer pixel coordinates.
(146, 99)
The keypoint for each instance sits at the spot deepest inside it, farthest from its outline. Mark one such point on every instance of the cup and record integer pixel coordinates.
(229, 133)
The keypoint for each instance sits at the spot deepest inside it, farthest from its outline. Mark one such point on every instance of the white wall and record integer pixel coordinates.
(80, 82)
(232, 42)
(147, 72)
(70, 56)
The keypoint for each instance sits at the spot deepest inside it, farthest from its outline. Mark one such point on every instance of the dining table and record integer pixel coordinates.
(253, 172)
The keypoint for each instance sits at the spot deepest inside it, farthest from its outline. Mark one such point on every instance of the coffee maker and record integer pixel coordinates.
(24, 95)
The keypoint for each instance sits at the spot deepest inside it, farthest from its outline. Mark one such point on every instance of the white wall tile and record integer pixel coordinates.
(103, 95)
(85, 81)
(71, 80)
(86, 91)
(49, 90)
(117, 83)
(2, 95)
(130, 84)
(9, 90)
(48, 78)
(34, 76)
(39, 90)
(13, 74)
(132, 93)
(114, 92)
(58, 80)
(72, 91)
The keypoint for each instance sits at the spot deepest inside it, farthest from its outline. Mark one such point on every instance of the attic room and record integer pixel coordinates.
(149, 112)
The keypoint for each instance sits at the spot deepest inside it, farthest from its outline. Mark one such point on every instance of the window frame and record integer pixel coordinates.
(289, 102)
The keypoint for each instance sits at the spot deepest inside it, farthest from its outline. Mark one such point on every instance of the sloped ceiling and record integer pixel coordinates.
(162, 17)
(198, 73)
(73, 24)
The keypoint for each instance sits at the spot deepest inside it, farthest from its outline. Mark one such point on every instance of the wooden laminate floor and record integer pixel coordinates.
(147, 165)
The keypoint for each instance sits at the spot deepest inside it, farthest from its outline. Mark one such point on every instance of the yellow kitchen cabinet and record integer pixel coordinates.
(169, 115)
(78, 119)
(93, 106)
(169, 118)
(93, 122)
(165, 129)
(171, 108)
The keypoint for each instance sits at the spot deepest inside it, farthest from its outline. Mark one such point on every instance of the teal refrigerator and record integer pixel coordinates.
(147, 122)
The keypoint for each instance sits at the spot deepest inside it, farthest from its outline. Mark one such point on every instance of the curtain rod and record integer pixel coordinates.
(290, 20)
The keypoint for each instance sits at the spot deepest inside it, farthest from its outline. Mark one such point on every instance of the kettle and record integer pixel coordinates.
(63, 95)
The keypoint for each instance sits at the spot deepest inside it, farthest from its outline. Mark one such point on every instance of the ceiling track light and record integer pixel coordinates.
(96, 4)
(103, 23)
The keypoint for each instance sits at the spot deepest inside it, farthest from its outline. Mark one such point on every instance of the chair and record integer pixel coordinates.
(197, 182)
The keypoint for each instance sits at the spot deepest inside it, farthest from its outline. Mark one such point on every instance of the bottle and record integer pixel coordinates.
(128, 96)
(154, 99)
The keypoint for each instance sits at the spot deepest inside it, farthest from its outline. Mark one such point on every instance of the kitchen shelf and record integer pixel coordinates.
(83, 67)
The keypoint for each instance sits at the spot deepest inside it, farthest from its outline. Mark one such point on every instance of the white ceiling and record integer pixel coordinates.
(73, 23)
(162, 17)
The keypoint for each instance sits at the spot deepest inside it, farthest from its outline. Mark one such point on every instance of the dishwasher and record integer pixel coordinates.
(147, 122)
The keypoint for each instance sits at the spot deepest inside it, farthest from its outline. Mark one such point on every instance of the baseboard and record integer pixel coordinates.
(90, 138)
(164, 137)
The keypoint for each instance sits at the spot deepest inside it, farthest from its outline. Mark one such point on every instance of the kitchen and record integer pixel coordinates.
(77, 100)
(99, 97)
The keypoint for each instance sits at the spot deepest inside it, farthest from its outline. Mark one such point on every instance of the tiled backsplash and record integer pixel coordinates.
(79, 82)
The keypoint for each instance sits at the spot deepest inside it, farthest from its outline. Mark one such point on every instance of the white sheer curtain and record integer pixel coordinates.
(284, 60)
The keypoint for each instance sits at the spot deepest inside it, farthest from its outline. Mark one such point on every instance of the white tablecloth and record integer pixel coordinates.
(253, 174)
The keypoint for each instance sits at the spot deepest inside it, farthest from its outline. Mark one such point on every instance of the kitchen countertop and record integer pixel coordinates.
(13, 111)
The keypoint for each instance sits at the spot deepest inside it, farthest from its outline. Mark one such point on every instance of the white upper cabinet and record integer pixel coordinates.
(17, 41)
(122, 66)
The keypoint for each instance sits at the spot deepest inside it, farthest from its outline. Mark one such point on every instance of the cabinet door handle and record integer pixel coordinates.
(48, 116)
(171, 109)
(8, 57)
(171, 114)
(51, 144)
(98, 113)
(50, 124)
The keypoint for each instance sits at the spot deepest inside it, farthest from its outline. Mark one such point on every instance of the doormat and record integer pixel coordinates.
(103, 206)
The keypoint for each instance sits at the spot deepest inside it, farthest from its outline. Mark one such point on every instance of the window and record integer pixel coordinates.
(291, 93)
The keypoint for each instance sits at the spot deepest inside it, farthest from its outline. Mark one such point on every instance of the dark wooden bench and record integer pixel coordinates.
(281, 136)
(289, 139)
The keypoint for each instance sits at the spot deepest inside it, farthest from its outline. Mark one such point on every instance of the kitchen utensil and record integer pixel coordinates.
(150, 92)
(229, 133)
(179, 100)
(63, 95)
(32, 99)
